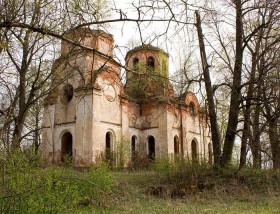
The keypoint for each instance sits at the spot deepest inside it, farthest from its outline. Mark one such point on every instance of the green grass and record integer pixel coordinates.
(130, 197)
(27, 188)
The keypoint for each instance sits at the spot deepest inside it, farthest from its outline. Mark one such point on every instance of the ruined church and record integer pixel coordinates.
(91, 110)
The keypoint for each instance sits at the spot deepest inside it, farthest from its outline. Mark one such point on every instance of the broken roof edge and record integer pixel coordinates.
(144, 47)
(84, 31)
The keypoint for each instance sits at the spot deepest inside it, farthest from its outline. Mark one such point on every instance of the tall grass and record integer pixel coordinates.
(26, 187)
(176, 169)
(181, 174)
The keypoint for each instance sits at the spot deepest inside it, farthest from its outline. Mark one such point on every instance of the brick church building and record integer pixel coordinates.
(92, 111)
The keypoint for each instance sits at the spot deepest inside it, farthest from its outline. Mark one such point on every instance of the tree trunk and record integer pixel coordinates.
(249, 98)
(37, 134)
(235, 90)
(20, 118)
(275, 143)
(17, 133)
(210, 95)
(255, 143)
(244, 138)
(22, 107)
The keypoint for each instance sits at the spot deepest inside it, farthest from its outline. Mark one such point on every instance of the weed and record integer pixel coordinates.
(26, 187)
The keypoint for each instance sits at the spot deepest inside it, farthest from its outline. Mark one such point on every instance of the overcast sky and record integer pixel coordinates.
(127, 34)
(176, 39)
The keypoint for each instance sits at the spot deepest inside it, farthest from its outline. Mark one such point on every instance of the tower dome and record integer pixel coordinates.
(147, 72)
(150, 56)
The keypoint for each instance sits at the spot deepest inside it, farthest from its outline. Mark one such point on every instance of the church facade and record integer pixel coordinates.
(92, 111)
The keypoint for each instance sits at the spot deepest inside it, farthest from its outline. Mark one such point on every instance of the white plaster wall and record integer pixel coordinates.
(163, 130)
(139, 147)
(144, 139)
(65, 112)
(173, 127)
(108, 104)
(107, 116)
(169, 131)
(99, 138)
(194, 130)
(59, 131)
(125, 120)
(83, 136)
(52, 136)
(48, 131)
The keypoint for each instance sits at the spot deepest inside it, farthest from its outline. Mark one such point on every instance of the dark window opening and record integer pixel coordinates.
(151, 147)
(108, 146)
(192, 109)
(151, 62)
(133, 149)
(66, 146)
(135, 61)
(68, 93)
(194, 152)
(176, 145)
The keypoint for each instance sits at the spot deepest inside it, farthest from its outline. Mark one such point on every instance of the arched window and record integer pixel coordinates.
(194, 151)
(66, 146)
(108, 146)
(135, 61)
(151, 148)
(67, 93)
(192, 109)
(133, 148)
(210, 153)
(176, 145)
(151, 62)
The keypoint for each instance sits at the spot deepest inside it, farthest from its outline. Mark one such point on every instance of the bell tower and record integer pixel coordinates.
(147, 74)
(69, 108)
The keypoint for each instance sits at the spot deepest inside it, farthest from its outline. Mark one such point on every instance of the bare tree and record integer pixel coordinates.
(209, 93)
(29, 31)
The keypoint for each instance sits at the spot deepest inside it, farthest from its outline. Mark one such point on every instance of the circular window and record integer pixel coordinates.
(67, 93)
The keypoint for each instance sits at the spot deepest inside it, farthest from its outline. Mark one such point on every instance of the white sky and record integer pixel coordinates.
(126, 33)
(178, 41)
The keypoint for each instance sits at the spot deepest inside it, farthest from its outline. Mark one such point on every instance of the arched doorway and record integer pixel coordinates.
(151, 148)
(176, 145)
(133, 148)
(194, 151)
(108, 146)
(66, 146)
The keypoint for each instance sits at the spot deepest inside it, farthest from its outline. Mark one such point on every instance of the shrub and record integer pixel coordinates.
(123, 152)
(101, 176)
(139, 163)
(176, 169)
(26, 187)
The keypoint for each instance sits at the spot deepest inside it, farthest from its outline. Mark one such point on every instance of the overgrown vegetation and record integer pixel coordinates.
(183, 178)
(123, 152)
(27, 187)
(172, 184)
(243, 57)
(177, 185)
(146, 82)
